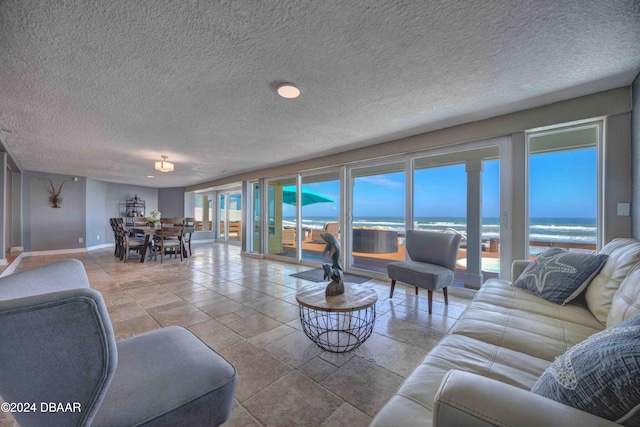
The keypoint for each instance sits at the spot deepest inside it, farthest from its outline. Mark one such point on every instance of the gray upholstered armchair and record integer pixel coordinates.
(432, 264)
(57, 346)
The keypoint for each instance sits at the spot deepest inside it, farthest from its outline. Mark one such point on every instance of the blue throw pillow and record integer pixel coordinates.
(600, 375)
(559, 276)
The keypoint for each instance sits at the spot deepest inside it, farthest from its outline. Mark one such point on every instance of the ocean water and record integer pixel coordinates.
(567, 230)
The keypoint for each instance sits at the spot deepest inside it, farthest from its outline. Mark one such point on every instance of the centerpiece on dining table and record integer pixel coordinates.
(154, 218)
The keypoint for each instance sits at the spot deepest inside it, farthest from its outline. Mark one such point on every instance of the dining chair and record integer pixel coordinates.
(126, 243)
(169, 238)
(189, 228)
(431, 265)
(117, 247)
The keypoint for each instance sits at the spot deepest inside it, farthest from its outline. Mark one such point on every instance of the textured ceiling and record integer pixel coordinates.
(103, 88)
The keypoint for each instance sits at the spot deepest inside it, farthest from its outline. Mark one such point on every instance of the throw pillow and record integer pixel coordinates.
(600, 375)
(559, 276)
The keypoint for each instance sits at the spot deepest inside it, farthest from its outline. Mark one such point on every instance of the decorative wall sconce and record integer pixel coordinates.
(54, 195)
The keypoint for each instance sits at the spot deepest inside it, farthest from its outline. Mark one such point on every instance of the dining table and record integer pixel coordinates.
(149, 232)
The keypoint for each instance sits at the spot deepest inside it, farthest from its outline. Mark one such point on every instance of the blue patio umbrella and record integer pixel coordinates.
(308, 197)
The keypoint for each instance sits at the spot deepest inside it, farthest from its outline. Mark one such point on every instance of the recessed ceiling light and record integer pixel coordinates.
(288, 90)
(150, 176)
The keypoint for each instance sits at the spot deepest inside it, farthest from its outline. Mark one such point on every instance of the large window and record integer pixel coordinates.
(204, 212)
(563, 174)
(234, 217)
(320, 213)
(255, 224)
(552, 200)
(282, 217)
(440, 198)
(445, 186)
(378, 212)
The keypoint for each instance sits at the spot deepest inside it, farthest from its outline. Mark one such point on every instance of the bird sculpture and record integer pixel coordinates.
(333, 271)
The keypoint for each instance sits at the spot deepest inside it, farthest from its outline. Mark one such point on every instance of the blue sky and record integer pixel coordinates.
(563, 185)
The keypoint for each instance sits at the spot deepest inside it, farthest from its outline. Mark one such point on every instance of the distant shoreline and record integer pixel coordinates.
(575, 230)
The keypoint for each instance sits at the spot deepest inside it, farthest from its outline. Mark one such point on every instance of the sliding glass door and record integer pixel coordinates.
(459, 193)
(254, 226)
(204, 213)
(282, 217)
(378, 216)
(320, 195)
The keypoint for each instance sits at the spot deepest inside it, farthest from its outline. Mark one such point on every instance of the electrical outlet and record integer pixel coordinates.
(98, 238)
(80, 240)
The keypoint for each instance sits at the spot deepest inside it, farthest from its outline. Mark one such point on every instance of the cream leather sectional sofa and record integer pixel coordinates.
(481, 374)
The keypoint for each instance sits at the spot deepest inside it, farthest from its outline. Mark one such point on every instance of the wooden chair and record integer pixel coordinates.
(117, 247)
(169, 238)
(124, 242)
(189, 228)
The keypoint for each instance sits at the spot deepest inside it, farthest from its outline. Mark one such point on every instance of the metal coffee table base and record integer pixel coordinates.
(340, 331)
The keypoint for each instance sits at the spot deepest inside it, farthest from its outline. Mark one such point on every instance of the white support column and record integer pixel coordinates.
(473, 276)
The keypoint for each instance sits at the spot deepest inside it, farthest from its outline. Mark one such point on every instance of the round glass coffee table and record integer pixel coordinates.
(337, 323)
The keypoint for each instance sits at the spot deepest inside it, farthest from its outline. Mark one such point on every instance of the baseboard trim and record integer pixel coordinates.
(103, 246)
(56, 252)
(11, 268)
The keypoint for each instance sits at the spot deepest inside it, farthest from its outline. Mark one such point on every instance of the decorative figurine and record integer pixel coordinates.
(333, 271)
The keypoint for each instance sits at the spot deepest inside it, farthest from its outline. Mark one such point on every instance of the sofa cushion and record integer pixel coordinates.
(623, 255)
(413, 403)
(497, 292)
(517, 319)
(626, 300)
(182, 381)
(601, 375)
(559, 276)
(529, 333)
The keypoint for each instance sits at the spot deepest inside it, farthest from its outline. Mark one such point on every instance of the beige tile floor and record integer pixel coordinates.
(245, 309)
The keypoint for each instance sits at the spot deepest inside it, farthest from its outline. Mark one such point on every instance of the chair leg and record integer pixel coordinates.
(416, 290)
(446, 298)
(393, 285)
(430, 295)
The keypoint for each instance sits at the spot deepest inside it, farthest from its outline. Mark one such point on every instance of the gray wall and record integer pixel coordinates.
(635, 145)
(47, 228)
(617, 176)
(171, 202)
(98, 228)
(16, 206)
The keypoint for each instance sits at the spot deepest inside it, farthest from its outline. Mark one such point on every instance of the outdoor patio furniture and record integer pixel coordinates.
(375, 241)
(329, 227)
(289, 236)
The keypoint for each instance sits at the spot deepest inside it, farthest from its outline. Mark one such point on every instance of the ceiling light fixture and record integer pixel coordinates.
(288, 90)
(164, 166)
